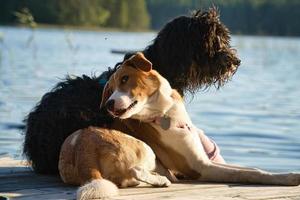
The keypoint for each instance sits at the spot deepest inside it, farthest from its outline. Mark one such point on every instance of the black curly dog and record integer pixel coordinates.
(192, 52)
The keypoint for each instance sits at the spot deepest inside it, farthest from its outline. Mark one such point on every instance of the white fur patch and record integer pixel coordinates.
(75, 137)
(149, 163)
(97, 189)
(122, 99)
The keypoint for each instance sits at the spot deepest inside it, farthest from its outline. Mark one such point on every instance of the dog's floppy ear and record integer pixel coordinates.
(140, 62)
(106, 93)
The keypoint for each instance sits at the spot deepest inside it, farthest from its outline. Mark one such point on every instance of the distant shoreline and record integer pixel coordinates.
(111, 29)
(84, 28)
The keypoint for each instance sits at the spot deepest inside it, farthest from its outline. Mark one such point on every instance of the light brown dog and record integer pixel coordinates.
(102, 158)
(136, 91)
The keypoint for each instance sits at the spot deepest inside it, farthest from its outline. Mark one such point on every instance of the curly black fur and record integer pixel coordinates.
(71, 105)
(191, 52)
(194, 52)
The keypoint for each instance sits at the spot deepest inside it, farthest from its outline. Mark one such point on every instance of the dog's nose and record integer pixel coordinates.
(110, 104)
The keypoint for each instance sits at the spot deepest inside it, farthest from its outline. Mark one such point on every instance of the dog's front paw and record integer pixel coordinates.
(151, 178)
(162, 182)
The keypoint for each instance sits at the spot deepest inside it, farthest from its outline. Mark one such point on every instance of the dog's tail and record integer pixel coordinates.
(97, 189)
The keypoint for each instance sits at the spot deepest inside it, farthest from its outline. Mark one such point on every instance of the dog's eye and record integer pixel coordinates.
(124, 79)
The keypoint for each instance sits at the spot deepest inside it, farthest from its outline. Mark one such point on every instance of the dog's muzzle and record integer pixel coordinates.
(110, 106)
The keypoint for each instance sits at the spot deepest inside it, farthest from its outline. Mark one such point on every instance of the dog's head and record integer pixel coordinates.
(194, 52)
(130, 89)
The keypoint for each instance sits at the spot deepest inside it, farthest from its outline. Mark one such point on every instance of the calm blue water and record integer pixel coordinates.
(254, 118)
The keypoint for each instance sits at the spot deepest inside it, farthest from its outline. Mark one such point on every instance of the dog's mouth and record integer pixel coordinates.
(121, 112)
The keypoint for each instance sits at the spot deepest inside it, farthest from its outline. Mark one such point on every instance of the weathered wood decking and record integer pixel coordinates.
(17, 180)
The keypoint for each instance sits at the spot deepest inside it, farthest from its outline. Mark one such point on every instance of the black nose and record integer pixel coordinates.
(110, 104)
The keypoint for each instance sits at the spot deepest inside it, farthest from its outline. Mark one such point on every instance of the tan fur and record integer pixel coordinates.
(176, 96)
(139, 61)
(99, 153)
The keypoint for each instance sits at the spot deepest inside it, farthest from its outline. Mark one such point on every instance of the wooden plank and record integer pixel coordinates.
(226, 192)
(19, 182)
(11, 166)
(28, 181)
(169, 194)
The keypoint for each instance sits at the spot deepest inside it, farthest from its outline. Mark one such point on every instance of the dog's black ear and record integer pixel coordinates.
(105, 94)
(140, 62)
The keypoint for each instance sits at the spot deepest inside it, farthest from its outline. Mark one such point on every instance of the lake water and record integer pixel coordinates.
(255, 118)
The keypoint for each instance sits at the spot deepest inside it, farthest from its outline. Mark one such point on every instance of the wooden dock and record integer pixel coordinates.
(17, 181)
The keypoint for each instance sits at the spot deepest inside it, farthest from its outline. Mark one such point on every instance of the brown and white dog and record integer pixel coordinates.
(153, 113)
(138, 92)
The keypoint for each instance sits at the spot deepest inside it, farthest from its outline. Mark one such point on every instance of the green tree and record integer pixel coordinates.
(138, 15)
(277, 17)
(118, 13)
(128, 14)
(78, 12)
(122, 17)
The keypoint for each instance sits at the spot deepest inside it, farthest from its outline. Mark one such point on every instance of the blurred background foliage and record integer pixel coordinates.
(263, 17)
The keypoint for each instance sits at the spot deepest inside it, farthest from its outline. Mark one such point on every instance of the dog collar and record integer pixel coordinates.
(102, 81)
(164, 122)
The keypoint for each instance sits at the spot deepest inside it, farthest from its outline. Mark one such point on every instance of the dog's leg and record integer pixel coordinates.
(234, 166)
(232, 174)
(221, 172)
(150, 178)
(162, 170)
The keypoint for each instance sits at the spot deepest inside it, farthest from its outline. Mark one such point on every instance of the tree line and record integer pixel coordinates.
(267, 17)
(124, 14)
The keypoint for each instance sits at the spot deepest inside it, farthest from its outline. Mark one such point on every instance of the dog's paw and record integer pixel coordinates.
(150, 177)
(163, 182)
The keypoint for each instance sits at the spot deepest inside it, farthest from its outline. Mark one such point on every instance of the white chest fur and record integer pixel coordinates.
(184, 141)
(182, 136)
